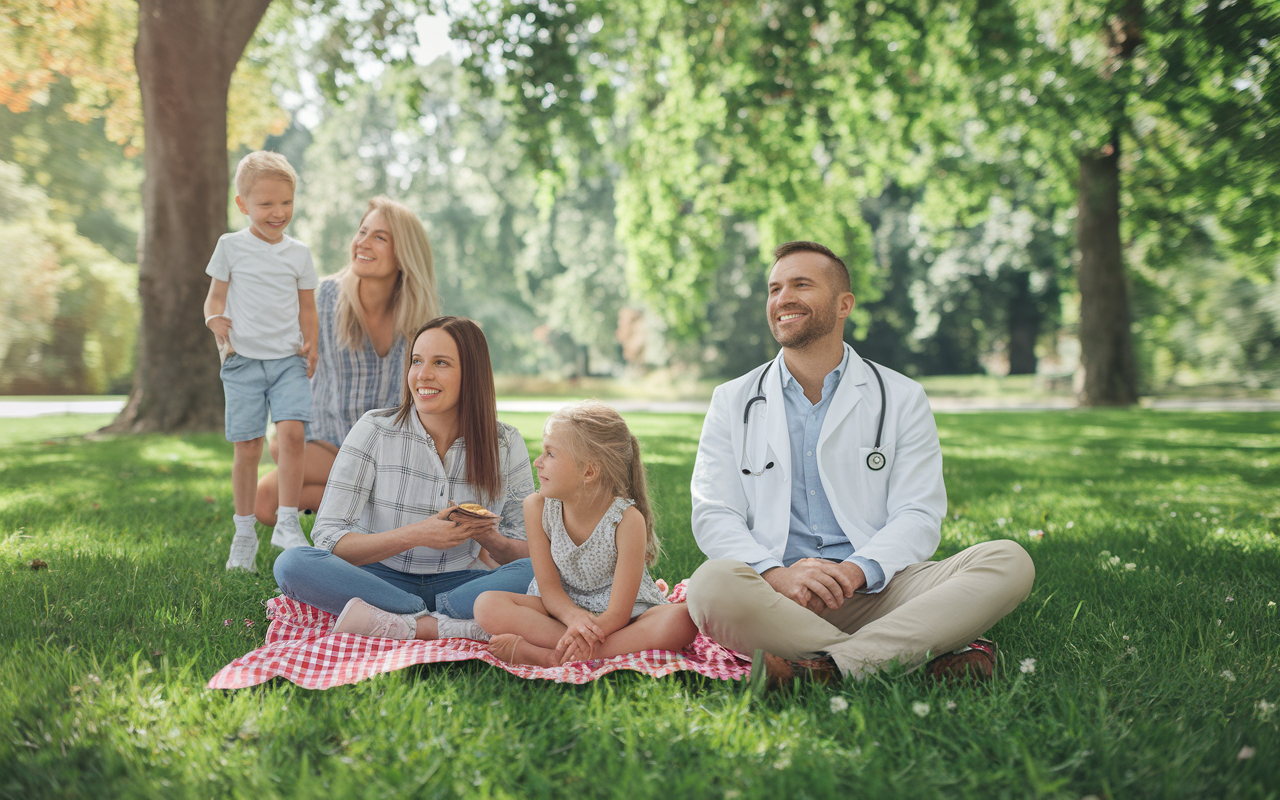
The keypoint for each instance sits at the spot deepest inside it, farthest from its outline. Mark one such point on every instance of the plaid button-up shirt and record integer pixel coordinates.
(387, 476)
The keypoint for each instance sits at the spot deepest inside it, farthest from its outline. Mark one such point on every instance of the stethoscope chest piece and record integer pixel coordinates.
(875, 460)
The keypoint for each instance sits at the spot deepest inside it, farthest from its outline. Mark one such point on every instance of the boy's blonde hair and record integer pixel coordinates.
(414, 299)
(592, 432)
(263, 164)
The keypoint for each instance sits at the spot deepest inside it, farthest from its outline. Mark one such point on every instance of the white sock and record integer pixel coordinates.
(286, 513)
(244, 526)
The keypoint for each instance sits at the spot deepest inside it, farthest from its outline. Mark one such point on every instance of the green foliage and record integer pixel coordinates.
(791, 118)
(69, 307)
(1148, 682)
(89, 179)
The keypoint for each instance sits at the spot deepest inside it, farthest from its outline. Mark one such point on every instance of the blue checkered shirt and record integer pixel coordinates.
(347, 383)
(814, 532)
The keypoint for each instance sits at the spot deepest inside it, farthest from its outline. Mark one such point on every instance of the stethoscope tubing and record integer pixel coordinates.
(875, 459)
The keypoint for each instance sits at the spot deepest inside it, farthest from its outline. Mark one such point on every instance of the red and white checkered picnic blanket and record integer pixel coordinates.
(300, 648)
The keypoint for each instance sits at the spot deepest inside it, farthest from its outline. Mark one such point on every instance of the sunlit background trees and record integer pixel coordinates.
(1087, 191)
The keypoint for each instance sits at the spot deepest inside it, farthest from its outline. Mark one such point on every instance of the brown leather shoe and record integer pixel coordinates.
(770, 672)
(975, 662)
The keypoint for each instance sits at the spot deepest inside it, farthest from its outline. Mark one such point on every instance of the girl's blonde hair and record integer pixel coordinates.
(592, 432)
(414, 298)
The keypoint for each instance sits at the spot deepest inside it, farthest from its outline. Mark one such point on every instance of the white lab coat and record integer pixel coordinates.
(892, 516)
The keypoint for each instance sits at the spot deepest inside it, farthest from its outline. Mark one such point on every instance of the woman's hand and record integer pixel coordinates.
(441, 533)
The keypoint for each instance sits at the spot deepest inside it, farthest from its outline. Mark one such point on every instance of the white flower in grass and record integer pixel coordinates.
(1265, 709)
(1071, 524)
(1222, 530)
(1125, 637)
(1130, 567)
(838, 704)
(1036, 534)
(951, 705)
(920, 709)
(1027, 666)
(1017, 487)
(1114, 560)
(1228, 676)
(1229, 599)
(1001, 521)
(1245, 753)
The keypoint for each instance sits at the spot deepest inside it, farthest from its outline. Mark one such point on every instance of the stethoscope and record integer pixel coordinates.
(875, 459)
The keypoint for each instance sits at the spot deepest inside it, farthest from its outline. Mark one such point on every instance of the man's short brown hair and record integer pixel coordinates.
(837, 266)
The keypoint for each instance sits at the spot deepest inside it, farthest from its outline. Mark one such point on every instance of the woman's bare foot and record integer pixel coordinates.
(513, 649)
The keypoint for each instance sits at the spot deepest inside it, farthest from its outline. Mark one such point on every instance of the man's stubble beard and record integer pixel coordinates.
(820, 323)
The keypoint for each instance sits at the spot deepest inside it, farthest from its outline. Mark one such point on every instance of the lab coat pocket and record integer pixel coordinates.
(875, 484)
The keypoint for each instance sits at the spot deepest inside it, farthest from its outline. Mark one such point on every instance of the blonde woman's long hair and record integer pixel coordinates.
(592, 432)
(414, 299)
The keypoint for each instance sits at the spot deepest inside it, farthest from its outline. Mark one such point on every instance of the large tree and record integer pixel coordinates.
(175, 62)
(185, 55)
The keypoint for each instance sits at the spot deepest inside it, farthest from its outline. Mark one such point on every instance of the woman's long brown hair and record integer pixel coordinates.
(477, 402)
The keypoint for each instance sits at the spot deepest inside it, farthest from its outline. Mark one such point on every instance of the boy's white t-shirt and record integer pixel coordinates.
(262, 298)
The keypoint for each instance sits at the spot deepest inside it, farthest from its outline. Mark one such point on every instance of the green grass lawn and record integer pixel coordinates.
(1153, 625)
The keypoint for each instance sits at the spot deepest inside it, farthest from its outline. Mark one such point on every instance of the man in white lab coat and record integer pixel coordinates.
(819, 505)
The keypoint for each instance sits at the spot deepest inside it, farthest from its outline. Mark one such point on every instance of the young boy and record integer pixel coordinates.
(262, 311)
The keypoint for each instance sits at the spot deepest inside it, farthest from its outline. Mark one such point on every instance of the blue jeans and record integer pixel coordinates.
(319, 578)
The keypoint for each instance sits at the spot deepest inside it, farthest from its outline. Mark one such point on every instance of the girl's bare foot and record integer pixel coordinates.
(513, 649)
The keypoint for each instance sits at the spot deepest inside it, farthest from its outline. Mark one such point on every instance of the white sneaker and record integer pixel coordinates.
(361, 618)
(288, 533)
(450, 628)
(244, 550)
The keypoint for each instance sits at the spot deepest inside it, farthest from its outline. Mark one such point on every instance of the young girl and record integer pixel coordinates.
(591, 539)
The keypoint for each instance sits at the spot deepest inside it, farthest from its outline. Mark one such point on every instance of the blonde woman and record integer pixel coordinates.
(367, 312)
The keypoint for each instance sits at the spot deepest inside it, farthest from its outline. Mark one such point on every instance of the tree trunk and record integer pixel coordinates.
(185, 54)
(1024, 326)
(1106, 349)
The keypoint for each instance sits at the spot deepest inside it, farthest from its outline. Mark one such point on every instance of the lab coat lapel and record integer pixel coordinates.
(848, 395)
(776, 418)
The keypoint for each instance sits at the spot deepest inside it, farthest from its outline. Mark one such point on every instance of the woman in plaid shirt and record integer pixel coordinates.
(387, 557)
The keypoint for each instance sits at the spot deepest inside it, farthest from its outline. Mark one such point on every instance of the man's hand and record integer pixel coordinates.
(220, 324)
(817, 584)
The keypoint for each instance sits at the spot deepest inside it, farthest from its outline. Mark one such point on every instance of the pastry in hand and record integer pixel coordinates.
(473, 510)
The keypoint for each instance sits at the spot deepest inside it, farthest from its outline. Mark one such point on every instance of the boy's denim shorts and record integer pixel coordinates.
(252, 386)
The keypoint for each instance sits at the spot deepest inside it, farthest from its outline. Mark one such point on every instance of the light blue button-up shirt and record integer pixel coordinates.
(814, 532)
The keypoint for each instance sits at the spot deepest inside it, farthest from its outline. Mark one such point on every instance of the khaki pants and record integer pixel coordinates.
(926, 610)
